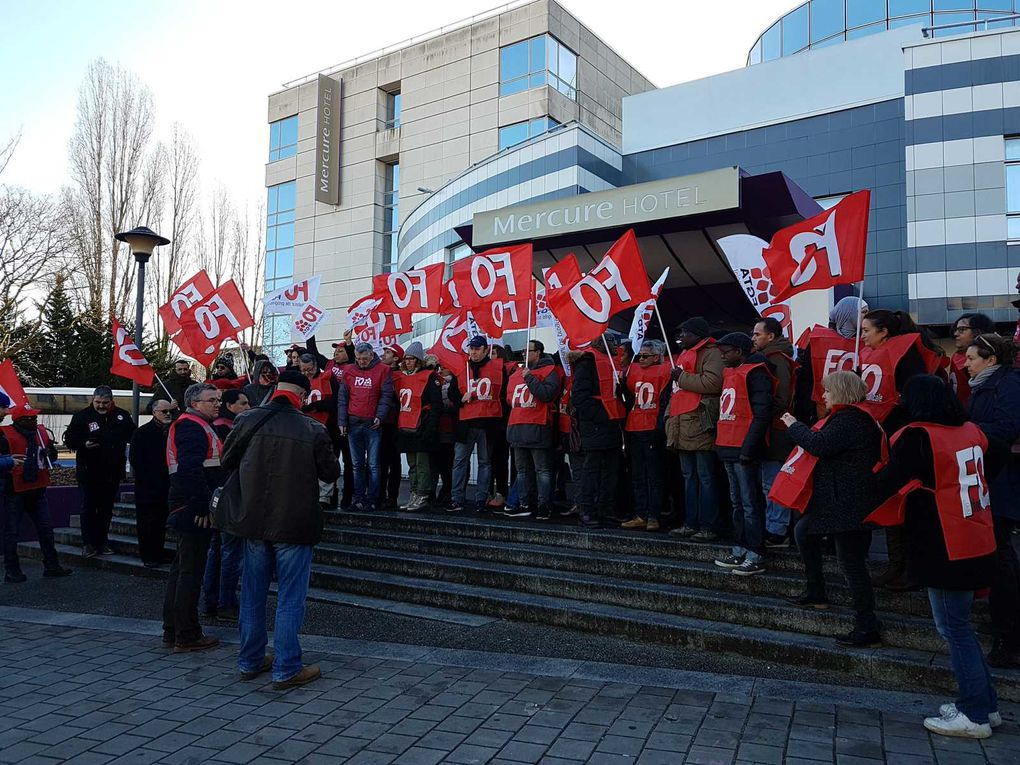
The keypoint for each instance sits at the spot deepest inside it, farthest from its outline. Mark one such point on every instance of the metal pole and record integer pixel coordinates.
(139, 304)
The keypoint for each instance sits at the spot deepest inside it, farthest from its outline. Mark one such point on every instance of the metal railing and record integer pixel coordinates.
(977, 24)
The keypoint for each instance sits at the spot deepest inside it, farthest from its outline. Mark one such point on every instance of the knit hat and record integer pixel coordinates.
(696, 325)
(415, 350)
(225, 360)
(736, 340)
(293, 377)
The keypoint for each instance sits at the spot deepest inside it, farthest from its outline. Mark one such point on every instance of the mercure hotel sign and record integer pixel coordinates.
(327, 142)
(670, 198)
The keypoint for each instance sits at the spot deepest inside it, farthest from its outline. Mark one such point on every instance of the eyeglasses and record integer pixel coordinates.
(959, 328)
(209, 400)
(165, 411)
(646, 356)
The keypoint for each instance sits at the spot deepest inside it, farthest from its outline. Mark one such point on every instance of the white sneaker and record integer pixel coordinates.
(994, 718)
(957, 724)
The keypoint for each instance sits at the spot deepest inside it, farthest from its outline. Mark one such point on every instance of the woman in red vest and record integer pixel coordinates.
(419, 407)
(936, 489)
(965, 331)
(829, 477)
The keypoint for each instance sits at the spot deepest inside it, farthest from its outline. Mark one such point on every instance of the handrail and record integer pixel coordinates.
(972, 23)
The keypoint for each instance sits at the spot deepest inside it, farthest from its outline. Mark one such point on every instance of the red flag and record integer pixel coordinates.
(449, 348)
(188, 295)
(500, 274)
(563, 274)
(128, 360)
(618, 282)
(450, 303)
(220, 316)
(11, 385)
(405, 292)
(501, 316)
(822, 251)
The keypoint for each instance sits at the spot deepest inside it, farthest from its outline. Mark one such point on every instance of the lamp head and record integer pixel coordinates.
(142, 240)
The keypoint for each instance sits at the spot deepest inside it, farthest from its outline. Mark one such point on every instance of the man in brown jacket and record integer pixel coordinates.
(690, 429)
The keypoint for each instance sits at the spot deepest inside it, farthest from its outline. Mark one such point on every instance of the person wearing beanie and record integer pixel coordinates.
(419, 407)
(745, 413)
(280, 456)
(690, 429)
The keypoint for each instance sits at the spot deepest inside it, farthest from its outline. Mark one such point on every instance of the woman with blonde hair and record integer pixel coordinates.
(832, 471)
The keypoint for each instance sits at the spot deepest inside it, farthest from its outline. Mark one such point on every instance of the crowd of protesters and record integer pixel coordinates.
(634, 438)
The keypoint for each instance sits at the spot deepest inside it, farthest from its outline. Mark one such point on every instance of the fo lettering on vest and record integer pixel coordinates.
(646, 385)
(878, 371)
(486, 391)
(525, 409)
(409, 398)
(958, 377)
(735, 413)
(830, 352)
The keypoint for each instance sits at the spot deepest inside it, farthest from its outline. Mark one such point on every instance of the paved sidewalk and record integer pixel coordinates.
(91, 689)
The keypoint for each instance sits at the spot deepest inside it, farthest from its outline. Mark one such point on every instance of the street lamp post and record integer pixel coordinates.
(142, 240)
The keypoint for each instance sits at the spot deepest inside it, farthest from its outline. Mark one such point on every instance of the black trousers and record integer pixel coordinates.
(499, 454)
(390, 465)
(852, 554)
(346, 483)
(1004, 603)
(646, 450)
(441, 460)
(150, 525)
(184, 585)
(672, 485)
(596, 482)
(97, 497)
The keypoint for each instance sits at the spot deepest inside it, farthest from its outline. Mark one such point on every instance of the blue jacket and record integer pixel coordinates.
(995, 408)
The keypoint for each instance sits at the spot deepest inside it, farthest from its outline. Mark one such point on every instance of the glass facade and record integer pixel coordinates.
(542, 60)
(392, 110)
(279, 262)
(522, 131)
(818, 23)
(1013, 189)
(283, 138)
(391, 216)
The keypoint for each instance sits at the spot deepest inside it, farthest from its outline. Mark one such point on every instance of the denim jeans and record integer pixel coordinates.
(462, 465)
(33, 504)
(293, 565)
(951, 611)
(777, 517)
(222, 570)
(365, 444)
(646, 450)
(534, 476)
(701, 495)
(748, 509)
(852, 553)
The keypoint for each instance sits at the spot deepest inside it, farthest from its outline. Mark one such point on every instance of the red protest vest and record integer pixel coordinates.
(647, 386)
(795, 481)
(525, 409)
(409, 403)
(958, 377)
(364, 388)
(830, 352)
(214, 447)
(684, 401)
(19, 445)
(563, 420)
(961, 491)
(320, 389)
(607, 388)
(486, 392)
(735, 414)
(878, 371)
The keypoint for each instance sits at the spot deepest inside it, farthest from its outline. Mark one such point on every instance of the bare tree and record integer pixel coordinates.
(217, 225)
(248, 262)
(109, 152)
(7, 151)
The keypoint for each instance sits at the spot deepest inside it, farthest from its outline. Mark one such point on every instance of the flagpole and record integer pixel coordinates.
(665, 337)
(527, 348)
(857, 338)
(171, 398)
(616, 375)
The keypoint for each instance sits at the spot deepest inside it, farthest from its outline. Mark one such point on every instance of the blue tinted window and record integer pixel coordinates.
(392, 110)
(536, 62)
(910, 20)
(770, 43)
(286, 197)
(994, 15)
(860, 12)
(795, 30)
(755, 56)
(826, 18)
(283, 138)
(280, 235)
(536, 59)
(391, 216)
(853, 34)
(941, 19)
(831, 41)
(953, 5)
(513, 61)
(994, 5)
(1012, 188)
(908, 7)
(512, 134)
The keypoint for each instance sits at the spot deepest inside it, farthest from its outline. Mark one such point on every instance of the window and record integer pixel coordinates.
(283, 138)
(795, 30)
(522, 131)
(908, 7)
(542, 60)
(457, 252)
(860, 12)
(1013, 188)
(771, 46)
(279, 262)
(392, 110)
(391, 216)
(826, 19)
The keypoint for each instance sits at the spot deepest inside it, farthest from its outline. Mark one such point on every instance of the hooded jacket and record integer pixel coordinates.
(780, 445)
(255, 391)
(994, 407)
(695, 431)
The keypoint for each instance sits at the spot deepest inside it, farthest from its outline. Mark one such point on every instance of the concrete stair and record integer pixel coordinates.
(635, 585)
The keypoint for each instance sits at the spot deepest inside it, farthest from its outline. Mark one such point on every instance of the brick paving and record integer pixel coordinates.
(77, 695)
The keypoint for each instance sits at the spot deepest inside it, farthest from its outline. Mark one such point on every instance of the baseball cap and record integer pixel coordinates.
(478, 341)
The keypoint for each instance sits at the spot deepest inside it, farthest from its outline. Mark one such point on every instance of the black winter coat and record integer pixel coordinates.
(995, 408)
(426, 437)
(848, 447)
(597, 431)
(280, 470)
(111, 432)
(548, 391)
(928, 562)
(191, 487)
(147, 454)
(760, 393)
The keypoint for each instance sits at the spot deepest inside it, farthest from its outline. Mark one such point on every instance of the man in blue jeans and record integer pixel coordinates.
(280, 522)
(364, 399)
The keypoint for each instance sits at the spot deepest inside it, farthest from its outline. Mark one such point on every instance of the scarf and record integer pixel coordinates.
(982, 377)
(292, 398)
(30, 471)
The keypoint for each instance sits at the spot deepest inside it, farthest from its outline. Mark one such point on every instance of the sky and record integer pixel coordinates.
(211, 64)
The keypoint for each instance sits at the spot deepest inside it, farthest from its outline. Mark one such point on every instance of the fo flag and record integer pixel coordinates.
(128, 360)
(451, 347)
(405, 292)
(643, 314)
(618, 282)
(11, 385)
(184, 298)
(363, 311)
(293, 298)
(501, 316)
(307, 320)
(219, 317)
(500, 274)
(563, 274)
(822, 251)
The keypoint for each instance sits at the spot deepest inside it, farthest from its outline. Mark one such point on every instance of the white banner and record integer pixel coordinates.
(643, 315)
(744, 253)
(292, 298)
(308, 319)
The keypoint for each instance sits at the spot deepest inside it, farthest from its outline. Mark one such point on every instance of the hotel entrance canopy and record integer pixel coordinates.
(678, 223)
